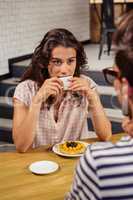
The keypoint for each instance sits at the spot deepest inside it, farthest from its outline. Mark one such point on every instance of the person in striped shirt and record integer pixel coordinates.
(105, 171)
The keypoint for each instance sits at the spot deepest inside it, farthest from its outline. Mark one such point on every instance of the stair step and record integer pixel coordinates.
(5, 123)
(6, 107)
(114, 115)
(106, 90)
(6, 130)
(11, 81)
(108, 97)
(116, 127)
(4, 100)
(24, 63)
(6, 135)
(8, 86)
(5, 147)
(115, 124)
(97, 76)
(110, 102)
(18, 68)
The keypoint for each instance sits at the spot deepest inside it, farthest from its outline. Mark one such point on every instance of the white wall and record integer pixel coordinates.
(24, 22)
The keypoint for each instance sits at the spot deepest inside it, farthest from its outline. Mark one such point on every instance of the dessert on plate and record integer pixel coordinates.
(72, 147)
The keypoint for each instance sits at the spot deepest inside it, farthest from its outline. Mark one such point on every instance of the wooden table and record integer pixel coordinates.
(18, 183)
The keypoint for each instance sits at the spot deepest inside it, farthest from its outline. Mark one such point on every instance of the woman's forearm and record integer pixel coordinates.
(101, 123)
(24, 132)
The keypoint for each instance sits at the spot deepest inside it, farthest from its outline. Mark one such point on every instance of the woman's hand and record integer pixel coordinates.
(83, 85)
(127, 125)
(51, 87)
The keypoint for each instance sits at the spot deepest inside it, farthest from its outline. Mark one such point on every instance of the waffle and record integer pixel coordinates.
(72, 147)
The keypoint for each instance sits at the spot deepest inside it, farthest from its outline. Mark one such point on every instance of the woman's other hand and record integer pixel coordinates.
(51, 87)
(83, 85)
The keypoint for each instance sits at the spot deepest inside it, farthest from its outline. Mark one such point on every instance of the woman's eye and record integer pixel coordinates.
(69, 62)
(57, 62)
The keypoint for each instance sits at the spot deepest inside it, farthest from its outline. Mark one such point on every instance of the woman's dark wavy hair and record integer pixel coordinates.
(123, 40)
(38, 69)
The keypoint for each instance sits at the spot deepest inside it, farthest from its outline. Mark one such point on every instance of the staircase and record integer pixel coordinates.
(7, 87)
(6, 109)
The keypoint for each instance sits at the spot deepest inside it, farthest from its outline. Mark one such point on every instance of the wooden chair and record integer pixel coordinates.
(107, 25)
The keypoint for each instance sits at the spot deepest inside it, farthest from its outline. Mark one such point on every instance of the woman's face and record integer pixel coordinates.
(62, 62)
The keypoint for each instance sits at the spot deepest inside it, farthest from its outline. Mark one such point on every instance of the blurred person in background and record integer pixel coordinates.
(45, 113)
(105, 171)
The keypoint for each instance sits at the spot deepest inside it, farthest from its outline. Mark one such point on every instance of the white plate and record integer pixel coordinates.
(56, 150)
(43, 167)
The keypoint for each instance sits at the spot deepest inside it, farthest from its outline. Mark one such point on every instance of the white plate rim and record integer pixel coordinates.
(55, 150)
(33, 167)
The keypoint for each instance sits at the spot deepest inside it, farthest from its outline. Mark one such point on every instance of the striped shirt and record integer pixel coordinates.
(72, 116)
(105, 172)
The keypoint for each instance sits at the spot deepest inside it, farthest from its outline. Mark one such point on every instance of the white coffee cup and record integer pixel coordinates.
(66, 81)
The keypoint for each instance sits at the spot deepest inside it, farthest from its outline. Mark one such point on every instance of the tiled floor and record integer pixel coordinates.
(92, 51)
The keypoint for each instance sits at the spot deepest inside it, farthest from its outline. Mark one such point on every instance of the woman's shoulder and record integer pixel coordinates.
(92, 83)
(25, 90)
(27, 84)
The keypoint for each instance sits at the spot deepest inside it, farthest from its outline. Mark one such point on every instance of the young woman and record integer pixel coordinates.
(45, 113)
